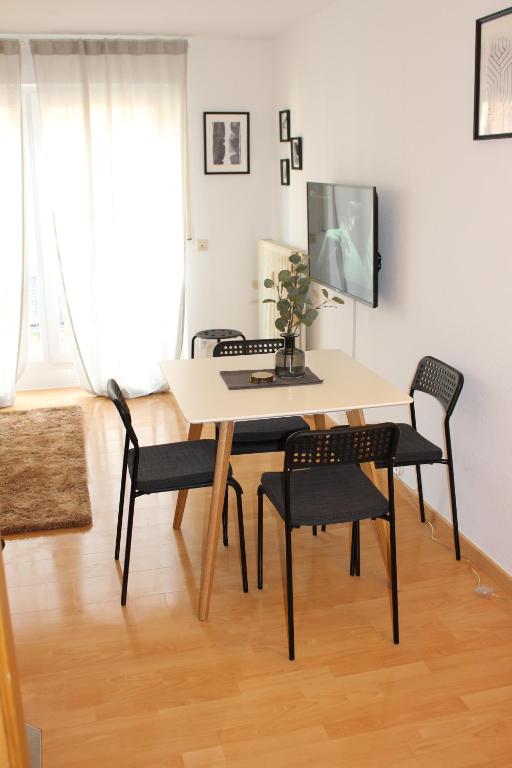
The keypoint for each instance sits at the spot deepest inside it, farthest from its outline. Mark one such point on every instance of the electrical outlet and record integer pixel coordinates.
(202, 245)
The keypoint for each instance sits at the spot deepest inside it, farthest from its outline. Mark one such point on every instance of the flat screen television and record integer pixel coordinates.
(342, 239)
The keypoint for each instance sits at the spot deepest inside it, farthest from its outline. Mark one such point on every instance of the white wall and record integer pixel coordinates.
(382, 93)
(231, 211)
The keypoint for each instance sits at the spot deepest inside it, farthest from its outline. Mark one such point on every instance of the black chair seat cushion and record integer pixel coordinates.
(268, 430)
(174, 466)
(413, 448)
(326, 495)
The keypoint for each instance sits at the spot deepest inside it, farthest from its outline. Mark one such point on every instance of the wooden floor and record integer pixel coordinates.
(151, 686)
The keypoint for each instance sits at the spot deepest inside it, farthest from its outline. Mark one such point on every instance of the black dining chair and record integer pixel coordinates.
(323, 484)
(168, 467)
(444, 383)
(259, 435)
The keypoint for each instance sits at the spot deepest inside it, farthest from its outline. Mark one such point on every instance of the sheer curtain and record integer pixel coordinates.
(11, 218)
(113, 119)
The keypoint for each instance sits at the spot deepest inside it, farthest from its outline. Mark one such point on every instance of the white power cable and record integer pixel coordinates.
(483, 590)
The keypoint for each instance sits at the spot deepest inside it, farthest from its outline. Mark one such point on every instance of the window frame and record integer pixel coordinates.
(49, 284)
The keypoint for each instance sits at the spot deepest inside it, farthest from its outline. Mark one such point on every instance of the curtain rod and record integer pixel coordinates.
(82, 36)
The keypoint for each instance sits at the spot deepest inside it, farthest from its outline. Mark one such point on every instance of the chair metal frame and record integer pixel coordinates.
(346, 445)
(444, 383)
(117, 397)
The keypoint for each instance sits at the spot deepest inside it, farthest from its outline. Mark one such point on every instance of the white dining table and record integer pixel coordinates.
(203, 397)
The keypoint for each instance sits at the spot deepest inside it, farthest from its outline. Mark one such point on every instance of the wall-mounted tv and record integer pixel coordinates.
(342, 239)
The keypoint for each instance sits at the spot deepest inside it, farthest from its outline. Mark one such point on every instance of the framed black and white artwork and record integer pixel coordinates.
(226, 142)
(296, 152)
(285, 173)
(284, 125)
(493, 76)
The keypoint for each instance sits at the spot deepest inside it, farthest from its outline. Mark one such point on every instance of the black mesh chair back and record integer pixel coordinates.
(322, 483)
(247, 347)
(341, 445)
(439, 380)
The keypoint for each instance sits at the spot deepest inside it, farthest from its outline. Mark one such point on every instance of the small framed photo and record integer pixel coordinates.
(296, 150)
(285, 173)
(493, 76)
(226, 142)
(284, 125)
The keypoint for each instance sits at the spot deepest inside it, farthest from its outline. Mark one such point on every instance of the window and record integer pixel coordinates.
(47, 335)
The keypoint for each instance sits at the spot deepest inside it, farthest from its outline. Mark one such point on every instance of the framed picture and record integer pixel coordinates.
(284, 125)
(226, 142)
(296, 150)
(285, 173)
(493, 76)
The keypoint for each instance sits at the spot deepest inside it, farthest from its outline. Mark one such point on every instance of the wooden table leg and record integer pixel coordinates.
(218, 490)
(320, 422)
(194, 433)
(380, 527)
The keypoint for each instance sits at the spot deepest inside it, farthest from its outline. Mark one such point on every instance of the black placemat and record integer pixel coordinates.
(242, 379)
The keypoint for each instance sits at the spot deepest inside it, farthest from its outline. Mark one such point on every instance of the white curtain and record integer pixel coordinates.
(11, 217)
(114, 118)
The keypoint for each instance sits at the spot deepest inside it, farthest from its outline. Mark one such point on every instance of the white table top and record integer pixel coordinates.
(347, 385)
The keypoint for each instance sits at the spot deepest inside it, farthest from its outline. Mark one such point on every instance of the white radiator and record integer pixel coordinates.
(272, 257)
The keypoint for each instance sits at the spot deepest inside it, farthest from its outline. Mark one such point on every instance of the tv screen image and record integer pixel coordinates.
(342, 239)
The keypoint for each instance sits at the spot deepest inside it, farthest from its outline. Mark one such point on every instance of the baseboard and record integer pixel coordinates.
(444, 532)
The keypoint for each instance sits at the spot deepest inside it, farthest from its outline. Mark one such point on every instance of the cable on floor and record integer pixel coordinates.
(482, 590)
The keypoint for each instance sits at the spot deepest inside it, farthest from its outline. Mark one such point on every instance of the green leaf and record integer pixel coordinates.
(280, 324)
(310, 315)
(304, 284)
(302, 268)
(268, 283)
(295, 258)
(283, 275)
(337, 300)
(325, 293)
(266, 301)
(283, 307)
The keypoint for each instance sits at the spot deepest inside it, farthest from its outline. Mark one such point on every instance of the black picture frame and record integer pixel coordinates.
(226, 139)
(296, 153)
(284, 125)
(285, 173)
(492, 118)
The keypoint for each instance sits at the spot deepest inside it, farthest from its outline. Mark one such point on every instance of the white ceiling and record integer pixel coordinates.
(212, 18)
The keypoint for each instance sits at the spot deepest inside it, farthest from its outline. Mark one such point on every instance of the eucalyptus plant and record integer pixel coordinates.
(293, 301)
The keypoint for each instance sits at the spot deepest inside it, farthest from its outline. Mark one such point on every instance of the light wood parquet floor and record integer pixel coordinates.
(149, 686)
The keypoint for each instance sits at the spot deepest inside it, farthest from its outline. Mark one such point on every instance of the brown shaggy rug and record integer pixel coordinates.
(43, 471)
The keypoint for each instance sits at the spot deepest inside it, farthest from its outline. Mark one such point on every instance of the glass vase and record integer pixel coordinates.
(290, 360)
